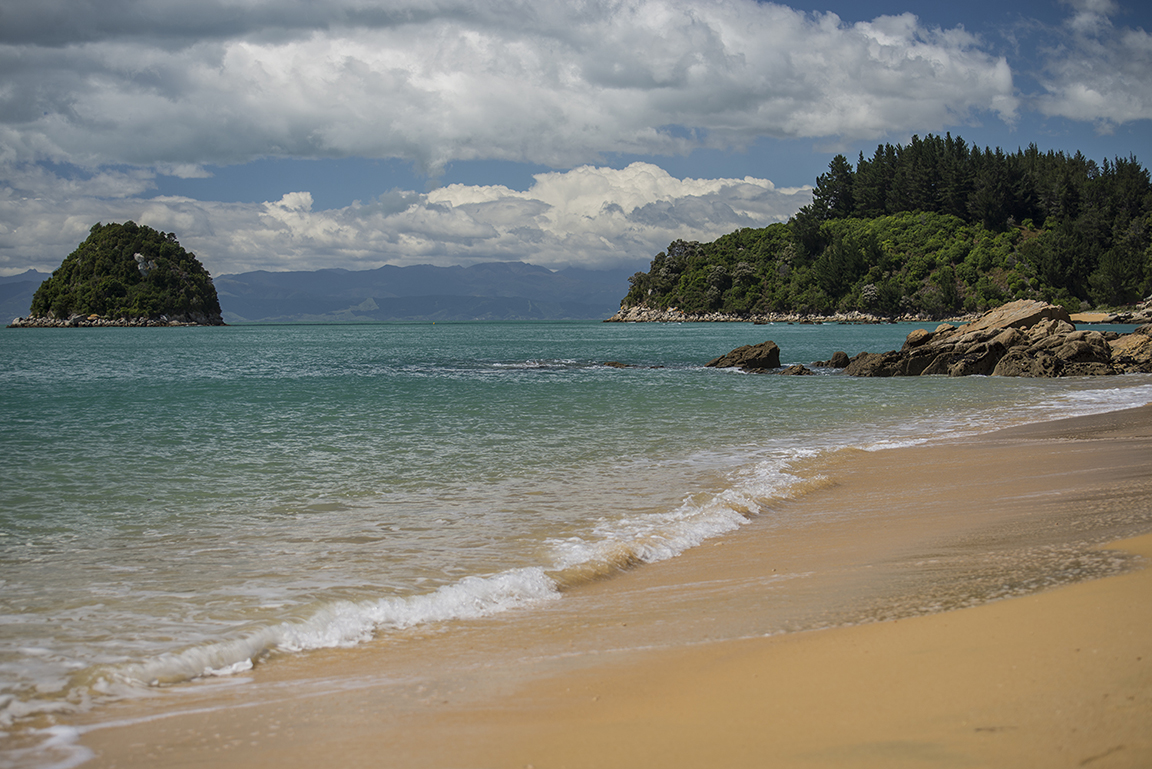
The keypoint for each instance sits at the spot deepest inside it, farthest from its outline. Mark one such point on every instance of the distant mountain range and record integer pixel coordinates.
(16, 294)
(489, 291)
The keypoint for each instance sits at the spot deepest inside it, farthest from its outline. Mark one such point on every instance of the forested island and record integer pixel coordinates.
(126, 274)
(933, 229)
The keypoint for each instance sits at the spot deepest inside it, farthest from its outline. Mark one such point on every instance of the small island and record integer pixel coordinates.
(126, 275)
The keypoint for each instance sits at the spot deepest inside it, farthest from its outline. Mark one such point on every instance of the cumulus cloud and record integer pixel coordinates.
(98, 98)
(1098, 72)
(589, 216)
(552, 82)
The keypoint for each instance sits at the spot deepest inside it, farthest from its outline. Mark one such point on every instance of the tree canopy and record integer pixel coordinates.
(129, 271)
(935, 227)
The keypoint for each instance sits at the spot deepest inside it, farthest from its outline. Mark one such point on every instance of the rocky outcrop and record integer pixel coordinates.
(1022, 338)
(1132, 353)
(97, 321)
(751, 357)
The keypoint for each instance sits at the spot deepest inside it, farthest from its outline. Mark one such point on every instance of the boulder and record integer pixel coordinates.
(978, 360)
(1132, 353)
(750, 357)
(1019, 362)
(798, 370)
(1009, 337)
(1023, 313)
(917, 338)
(875, 364)
(839, 359)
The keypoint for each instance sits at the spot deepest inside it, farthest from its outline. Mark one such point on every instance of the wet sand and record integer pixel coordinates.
(713, 659)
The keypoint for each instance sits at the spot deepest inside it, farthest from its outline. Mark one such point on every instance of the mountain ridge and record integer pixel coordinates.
(484, 291)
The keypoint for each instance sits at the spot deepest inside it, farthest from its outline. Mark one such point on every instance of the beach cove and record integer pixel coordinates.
(662, 565)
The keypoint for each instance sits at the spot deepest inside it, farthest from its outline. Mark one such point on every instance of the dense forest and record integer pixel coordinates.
(932, 228)
(128, 271)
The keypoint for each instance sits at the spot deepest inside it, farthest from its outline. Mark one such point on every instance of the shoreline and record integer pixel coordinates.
(84, 321)
(690, 662)
(641, 314)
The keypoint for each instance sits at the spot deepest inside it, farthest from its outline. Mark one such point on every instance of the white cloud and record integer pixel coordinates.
(1098, 72)
(132, 89)
(589, 216)
(183, 170)
(1090, 15)
(545, 81)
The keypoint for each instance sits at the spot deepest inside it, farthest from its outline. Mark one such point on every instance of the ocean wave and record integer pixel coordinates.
(612, 545)
(621, 544)
(339, 624)
(1096, 401)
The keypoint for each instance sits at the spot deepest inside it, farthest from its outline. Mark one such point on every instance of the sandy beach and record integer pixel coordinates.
(991, 603)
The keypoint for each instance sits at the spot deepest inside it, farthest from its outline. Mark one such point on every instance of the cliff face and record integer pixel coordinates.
(126, 274)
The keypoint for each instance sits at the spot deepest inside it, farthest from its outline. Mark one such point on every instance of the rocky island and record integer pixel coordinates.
(1023, 338)
(126, 275)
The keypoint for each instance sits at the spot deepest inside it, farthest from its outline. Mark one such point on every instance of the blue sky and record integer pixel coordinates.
(287, 134)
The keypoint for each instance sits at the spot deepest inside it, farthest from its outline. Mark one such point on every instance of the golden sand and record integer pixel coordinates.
(670, 665)
(1091, 317)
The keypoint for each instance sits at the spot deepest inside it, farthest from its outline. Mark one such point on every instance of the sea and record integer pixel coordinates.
(185, 503)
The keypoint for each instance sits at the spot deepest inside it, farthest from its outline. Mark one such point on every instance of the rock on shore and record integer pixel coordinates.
(1022, 338)
(750, 357)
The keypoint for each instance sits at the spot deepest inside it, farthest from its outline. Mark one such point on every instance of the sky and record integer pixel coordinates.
(301, 135)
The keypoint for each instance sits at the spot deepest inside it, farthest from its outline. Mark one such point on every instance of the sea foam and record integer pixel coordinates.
(613, 544)
(338, 624)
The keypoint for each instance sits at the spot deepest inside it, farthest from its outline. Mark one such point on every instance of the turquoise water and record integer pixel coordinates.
(182, 502)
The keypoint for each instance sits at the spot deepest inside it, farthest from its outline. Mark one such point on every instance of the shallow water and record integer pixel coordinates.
(179, 503)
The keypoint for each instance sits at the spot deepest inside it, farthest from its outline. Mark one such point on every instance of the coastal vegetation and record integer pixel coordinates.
(933, 228)
(129, 271)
